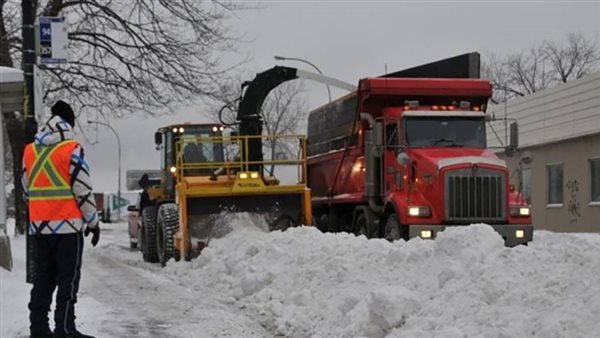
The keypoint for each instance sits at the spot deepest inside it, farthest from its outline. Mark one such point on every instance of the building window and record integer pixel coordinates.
(526, 184)
(555, 183)
(595, 179)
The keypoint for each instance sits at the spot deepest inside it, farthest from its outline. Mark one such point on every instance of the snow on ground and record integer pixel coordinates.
(14, 296)
(302, 283)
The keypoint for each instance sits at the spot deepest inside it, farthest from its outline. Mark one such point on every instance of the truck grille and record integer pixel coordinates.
(475, 195)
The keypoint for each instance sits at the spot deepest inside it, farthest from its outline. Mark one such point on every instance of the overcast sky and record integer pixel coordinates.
(350, 40)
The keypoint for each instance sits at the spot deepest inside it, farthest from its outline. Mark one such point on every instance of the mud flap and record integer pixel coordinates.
(5, 252)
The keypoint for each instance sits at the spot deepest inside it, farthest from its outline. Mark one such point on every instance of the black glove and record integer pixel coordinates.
(96, 233)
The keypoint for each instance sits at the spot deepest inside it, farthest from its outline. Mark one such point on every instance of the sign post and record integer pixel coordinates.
(51, 43)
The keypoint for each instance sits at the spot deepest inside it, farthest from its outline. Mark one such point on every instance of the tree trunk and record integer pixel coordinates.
(16, 136)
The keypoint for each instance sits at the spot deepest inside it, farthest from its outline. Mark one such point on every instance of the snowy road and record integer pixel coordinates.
(146, 305)
(303, 283)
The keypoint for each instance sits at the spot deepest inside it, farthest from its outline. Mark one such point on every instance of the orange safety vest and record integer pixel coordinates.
(50, 194)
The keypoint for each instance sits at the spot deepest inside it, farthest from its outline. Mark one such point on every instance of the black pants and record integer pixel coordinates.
(57, 263)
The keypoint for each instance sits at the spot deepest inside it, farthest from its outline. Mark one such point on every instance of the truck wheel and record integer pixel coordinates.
(391, 229)
(149, 238)
(167, 224)
(361, 225)
(333, 221)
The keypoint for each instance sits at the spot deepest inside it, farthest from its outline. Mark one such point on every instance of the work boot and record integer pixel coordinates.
(74, 334)
(47, 334)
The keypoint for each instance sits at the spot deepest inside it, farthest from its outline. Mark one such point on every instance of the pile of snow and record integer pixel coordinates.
(302, 283)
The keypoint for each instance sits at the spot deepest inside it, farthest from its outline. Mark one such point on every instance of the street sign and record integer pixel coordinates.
(51, 40)
(117, 204)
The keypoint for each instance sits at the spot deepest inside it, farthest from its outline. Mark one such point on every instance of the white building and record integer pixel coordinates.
(558, 162)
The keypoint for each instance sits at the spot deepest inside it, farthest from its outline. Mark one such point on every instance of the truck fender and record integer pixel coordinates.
(391, 206)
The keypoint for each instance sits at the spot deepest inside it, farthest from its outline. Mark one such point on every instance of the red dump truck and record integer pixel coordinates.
(403, 157)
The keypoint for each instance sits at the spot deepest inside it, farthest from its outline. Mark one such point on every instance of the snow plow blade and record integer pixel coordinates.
(276, 207)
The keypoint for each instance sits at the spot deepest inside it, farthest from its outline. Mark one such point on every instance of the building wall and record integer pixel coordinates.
(566, 111)
(577, 213)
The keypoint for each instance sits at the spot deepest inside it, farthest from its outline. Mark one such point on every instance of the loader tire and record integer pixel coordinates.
(149, 251)
(282, 223)
(167, 224)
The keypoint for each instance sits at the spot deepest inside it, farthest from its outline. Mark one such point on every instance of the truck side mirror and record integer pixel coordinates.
(158, 138)
(514, 135)
(402, 158)
(513, 145)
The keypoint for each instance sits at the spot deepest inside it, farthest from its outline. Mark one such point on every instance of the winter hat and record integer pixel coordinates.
(63, 109)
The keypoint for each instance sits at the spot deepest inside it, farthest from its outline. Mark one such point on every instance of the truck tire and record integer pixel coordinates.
(391, 228)
(149, 251)
(332, 221)
(361, 225)
(167, 224)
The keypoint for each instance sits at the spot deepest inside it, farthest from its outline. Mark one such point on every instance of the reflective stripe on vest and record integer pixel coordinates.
(50, 194)
(60, 190)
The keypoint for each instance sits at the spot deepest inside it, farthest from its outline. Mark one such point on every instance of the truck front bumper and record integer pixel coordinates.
(513, 234)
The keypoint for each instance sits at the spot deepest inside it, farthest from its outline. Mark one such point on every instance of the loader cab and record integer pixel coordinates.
(191, 144)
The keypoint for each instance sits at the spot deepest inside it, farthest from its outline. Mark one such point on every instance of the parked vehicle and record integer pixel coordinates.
(133, 222)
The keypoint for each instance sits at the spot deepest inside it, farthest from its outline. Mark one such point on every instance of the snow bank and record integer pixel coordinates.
(302, 283)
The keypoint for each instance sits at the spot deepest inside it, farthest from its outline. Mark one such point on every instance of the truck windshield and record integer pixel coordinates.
(451, 131)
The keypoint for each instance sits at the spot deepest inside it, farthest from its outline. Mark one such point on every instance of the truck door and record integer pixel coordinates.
(393, 171)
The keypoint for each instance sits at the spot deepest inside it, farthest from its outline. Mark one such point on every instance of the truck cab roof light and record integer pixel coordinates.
(435, 107)
(476, 109)
(411, 104)
(464, 105)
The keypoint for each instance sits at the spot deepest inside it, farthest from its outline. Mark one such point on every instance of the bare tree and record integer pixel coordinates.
(540, 67)
(126, 56)
(579, 56)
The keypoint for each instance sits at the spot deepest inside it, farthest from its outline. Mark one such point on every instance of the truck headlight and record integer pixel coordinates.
(254, 175)
(243, 176)
(426, 234)
(415, 211)
(520, 211)
(519, 233)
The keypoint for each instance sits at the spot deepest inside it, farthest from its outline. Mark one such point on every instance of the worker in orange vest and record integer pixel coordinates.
(58, 189)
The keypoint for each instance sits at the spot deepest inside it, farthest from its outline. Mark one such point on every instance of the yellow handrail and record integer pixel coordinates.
(237, 163)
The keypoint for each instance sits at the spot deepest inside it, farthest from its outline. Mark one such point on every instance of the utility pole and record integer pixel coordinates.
(28, 8)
